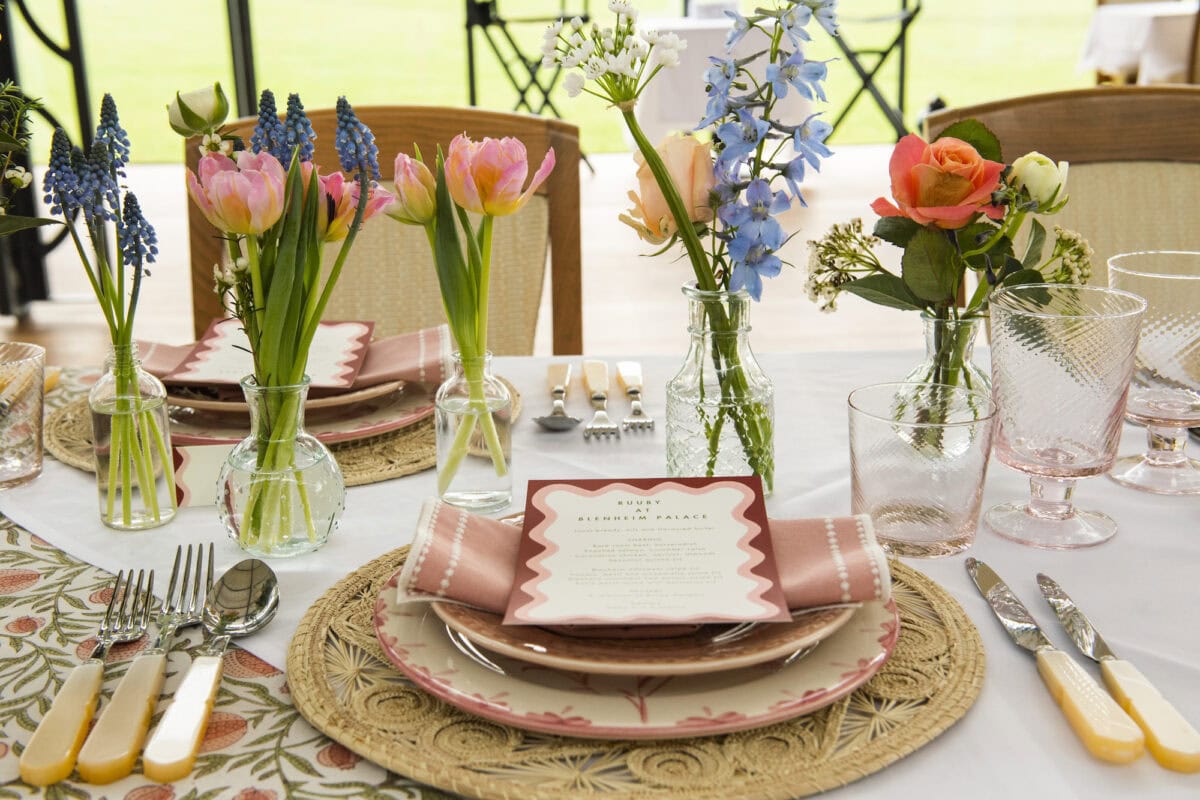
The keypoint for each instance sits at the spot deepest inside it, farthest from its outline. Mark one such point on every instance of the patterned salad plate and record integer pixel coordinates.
(383, 414)
(581, 704)
(200, 400)
(704, 648)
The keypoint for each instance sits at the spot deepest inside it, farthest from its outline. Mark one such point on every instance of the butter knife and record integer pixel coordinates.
(1105, 730)
(1172, 741)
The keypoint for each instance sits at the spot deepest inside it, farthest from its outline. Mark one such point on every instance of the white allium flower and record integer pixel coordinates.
(549, 60)
(672, 41)
(576, 40)
(576, 23)
(553, 30)
(573, 83)
(594, 68)
(667, 56)
(651, 37)
(609, 44)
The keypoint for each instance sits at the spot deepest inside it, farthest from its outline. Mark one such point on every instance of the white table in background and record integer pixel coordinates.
(1150, 40)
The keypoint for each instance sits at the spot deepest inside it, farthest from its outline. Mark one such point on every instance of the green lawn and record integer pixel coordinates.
(413, 51)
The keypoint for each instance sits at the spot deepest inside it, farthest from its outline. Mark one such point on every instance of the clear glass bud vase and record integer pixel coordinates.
(720, 405)
(280, 492)
(131, 437)
(474, 443)
(949, 344)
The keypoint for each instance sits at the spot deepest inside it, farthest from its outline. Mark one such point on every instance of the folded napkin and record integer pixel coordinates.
(419, 357)
(461, 557)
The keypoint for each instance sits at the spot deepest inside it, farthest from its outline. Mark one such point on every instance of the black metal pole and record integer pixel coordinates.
(241, 45)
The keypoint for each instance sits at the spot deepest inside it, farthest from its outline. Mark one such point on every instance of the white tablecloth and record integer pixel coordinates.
(1140, 589)
(1152, 40)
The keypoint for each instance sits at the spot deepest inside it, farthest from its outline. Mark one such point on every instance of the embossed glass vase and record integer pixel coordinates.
(280, 492)
(131, 439)
(949, 345)
(720, 405)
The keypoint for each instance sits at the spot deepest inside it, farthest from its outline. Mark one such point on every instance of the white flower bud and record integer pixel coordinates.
(573, 83)
(1045, 181)
(576, 23)
(198, 111)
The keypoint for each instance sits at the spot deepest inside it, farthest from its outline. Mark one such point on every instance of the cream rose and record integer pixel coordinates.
(1045, 181)
(690, 166)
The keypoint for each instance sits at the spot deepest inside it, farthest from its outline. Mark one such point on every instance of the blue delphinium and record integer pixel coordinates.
(751, 144)
(299, 130)
(355, 143)
(269, 134)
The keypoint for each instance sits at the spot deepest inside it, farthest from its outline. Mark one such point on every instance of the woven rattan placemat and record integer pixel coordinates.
(342, 683)
(67, 436)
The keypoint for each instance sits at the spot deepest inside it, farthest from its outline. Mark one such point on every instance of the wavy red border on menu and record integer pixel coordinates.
(760, 566)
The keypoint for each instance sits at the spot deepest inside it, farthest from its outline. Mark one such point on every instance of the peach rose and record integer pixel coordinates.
(944, 183)
(689, 163)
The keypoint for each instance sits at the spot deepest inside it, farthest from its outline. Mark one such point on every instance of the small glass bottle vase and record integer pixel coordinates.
(131, 439)
(280, 492)
(949, 345)
(474, 443)
(720, 405)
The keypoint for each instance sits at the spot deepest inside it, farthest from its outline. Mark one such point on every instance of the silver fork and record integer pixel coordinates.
(595, 378)
(629, 376)
(112, 747)
(50, 755)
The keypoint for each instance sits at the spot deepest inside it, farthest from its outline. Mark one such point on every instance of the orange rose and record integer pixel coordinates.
(944, 183)
(690, 165)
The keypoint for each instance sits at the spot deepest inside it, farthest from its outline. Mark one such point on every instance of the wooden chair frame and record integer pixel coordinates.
(1107, 123)
(396, 129)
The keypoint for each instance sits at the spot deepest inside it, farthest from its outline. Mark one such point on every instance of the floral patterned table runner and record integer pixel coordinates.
(257, 747)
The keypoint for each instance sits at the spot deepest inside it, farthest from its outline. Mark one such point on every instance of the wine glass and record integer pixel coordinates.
(1062, 356)
(1164, 394)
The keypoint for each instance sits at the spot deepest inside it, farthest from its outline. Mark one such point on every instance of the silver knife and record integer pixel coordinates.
(1105, 730)
(1172, 741)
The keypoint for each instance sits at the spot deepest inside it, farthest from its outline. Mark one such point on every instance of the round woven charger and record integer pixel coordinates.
(342, 683)
(67, 435)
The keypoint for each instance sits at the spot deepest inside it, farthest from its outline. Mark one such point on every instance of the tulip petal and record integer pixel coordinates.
(539, 177)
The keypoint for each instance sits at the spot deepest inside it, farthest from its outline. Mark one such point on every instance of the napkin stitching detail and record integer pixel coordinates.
(455, 552)
(838, 560)
(425, 532)
(421, 355)
(862, 537)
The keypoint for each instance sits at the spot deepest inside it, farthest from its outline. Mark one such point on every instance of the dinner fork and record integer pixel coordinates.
(595, 378)
(629, 375)
(50, 755)
(112, 747)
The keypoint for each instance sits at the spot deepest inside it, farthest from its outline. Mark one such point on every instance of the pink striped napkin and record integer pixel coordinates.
(461, 557)
(419, 357)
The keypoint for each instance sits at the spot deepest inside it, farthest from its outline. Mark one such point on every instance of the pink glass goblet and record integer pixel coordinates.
(1164, 394)
(1062, 357)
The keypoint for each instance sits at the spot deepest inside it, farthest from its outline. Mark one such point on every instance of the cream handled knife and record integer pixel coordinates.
(1106, 730)
(1172, 741)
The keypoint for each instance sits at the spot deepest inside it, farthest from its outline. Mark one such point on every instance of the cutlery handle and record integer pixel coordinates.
(1172, 741)
(112, 747)
(629, 375)
(172, 749)
(558, 376)
(595, 377)
(1106, 731)
(50, 755)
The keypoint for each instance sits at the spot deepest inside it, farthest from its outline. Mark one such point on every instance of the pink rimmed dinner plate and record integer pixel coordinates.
(708, 648)
(540, 698)
(196, 398)
(390, 412)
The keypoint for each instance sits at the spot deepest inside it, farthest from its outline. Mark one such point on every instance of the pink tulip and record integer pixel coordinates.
(485, 177)
(242, 197)
(341, 199)
(416, 192)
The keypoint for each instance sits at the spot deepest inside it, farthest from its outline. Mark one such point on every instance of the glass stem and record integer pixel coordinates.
(1165, 445)
(1051, 497)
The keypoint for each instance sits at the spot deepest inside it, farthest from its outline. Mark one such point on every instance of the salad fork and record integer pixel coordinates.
(113, 746)
(629, 375)
(50, 755)
(595, 377)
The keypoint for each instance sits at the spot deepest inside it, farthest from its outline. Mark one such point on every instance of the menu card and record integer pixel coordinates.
(645, 551)
(223, 355)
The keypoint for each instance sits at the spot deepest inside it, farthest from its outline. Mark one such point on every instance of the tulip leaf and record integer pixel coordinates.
(1037, 241)
(897, 230)
(280, 291)
(976, 134)
(885, 290)
(10, 223)
(931, 266)
(458, 290)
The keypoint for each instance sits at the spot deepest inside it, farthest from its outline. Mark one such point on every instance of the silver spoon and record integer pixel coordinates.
(558, 378)
(243, 600)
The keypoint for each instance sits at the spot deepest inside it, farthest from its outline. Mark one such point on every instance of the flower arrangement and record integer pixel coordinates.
(956, 209)
(277, 211)
(14, 140)
(483, 178)
(714, 193)
(85, 189)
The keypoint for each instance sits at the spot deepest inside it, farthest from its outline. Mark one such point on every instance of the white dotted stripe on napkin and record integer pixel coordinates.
(862, 537)
(426, 534)
(460, 529)
(421, 356)
(838, 561)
